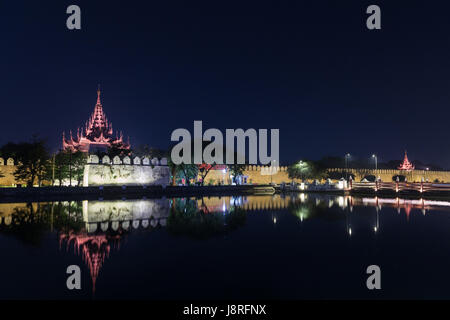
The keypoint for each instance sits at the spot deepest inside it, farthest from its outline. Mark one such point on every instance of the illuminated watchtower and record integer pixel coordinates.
(96, 134)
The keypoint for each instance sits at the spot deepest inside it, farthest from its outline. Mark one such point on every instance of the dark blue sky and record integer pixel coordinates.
(310, 68)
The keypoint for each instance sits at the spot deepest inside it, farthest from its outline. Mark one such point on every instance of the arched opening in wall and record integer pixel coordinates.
(401, 178)
(370, 178)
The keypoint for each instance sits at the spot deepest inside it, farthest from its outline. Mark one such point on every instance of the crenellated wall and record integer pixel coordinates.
(386, 175)
(115, 171)
(7, 168)
(254, 175)
(262, 175)
(125, 171)
(145, 171)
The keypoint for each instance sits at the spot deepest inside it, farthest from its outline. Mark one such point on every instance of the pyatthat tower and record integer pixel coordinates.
(406, 165)
(96, 135)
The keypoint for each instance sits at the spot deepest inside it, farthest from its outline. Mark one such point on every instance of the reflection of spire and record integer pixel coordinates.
(407, 211)
(94, 250)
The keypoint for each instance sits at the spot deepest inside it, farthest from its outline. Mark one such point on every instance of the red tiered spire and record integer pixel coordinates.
(98, 96)
(406, 165)
(97, 131)
(94, 249)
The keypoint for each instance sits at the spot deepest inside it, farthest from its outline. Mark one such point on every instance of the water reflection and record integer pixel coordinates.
(203, 219)
(93, 230)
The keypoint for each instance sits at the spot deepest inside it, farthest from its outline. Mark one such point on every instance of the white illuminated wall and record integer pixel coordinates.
(122, 174)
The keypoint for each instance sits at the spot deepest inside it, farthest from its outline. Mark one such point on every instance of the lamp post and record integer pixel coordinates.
(346, 165)
(376, 161)
(271, 170)
(300, 165)
(53, 171)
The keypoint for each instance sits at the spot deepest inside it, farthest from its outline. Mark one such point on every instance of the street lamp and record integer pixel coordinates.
(271, 169)
(376, 161)
(346, 165)
(301, 166)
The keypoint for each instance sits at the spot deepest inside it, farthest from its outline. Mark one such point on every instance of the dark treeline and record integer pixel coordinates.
(36, 165)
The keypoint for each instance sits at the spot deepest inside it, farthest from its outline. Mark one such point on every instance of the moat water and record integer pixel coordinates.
(303, 246)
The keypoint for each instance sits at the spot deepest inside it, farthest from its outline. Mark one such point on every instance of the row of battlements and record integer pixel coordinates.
(94, 159)
(265, 168)
(7, 162)
(380, 171)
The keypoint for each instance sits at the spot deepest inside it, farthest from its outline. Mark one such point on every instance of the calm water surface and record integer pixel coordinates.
(295, 247)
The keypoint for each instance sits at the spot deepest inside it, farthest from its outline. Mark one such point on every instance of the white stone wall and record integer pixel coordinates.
(124, 174)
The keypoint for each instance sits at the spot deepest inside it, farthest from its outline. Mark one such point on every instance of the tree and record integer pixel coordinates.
(182, 170)
(32, 161)
(77, 160)
(150, 152)
(305, 170)
(236, 170)
(67, 165)
(117, 149)
(59, 168)
(204, 169)
(187, 171)
(173, 171)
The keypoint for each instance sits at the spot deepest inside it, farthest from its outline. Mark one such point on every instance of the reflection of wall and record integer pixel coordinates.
(121, 174)
(95, 243)
(125, 213)
(8, 209)
(8, 172)
(245, 202)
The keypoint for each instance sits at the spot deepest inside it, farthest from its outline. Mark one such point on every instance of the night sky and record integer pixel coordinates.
(310, 68)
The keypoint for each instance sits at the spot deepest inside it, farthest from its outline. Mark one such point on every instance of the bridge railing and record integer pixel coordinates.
(401, 186)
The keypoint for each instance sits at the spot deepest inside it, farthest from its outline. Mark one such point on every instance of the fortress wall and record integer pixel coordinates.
(255, 175)
(261, 175)
(116, 171)
(7, 169)
(123, 174)
(144, 171)
(8, 173)
(387, 174)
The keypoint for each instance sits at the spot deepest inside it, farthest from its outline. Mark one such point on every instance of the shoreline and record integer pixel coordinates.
(129, 192)
(385, 194)
(35, 194)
